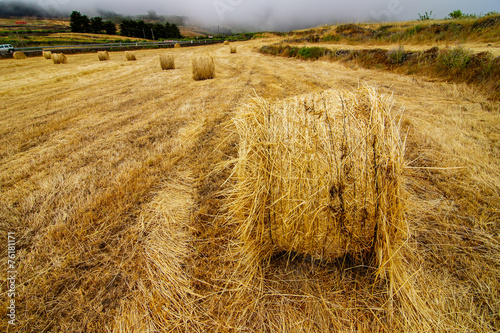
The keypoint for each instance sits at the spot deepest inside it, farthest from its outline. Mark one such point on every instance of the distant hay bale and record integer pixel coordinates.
(59, 58)
(320, 175)
(226, 42)
(47, 54)
(177, 45)
(130, 56)
(103, 55)
(232, 49)
(203, 68)
(19, 55)
(167, 61)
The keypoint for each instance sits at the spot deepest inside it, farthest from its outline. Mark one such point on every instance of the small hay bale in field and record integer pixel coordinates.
(103, 55)
(226, 42)
(320, 175)
(232, 49)
(59, 58)
(130, 56)
(47, 54)
(203, 68)
(177, 45)
(19, 55)
(167, 61)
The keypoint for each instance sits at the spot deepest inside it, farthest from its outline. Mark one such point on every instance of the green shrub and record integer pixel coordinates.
(455, 59)
(396, 56)
(312, 53)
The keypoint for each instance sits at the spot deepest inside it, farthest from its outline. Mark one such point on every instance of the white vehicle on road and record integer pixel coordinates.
(6, 48)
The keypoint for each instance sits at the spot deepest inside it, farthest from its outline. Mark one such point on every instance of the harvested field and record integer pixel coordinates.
(116, 191)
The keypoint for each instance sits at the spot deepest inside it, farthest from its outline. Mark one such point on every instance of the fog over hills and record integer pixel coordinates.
(256, 14)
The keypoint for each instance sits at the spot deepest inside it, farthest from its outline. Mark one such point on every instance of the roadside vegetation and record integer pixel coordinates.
(451, 64)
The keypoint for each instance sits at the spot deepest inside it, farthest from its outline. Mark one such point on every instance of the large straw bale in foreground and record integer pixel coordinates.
(203, 67)
(19, 55)
(167, 61)
(103, 55)
(59, 58)
(47, 54)
(320, 175)
(130, 56)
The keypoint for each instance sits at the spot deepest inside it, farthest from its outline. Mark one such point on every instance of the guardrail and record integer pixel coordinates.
(83, 48)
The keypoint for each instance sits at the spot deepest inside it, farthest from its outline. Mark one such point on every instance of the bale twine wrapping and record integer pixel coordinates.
(232, 49)
(59, 58)
(320, 175)
(167, 61)
(130, 56)
(19, 55)
(103, 55)
(203, 67)
(47, 54)
(177, 45)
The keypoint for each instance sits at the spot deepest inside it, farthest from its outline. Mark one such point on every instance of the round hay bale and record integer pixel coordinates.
(59, 58)
(203, 67)
(226, 42)
(232, 49)
(177, 45)
(19, 55)
(130, 56)
(320, 175)
(167, 61)
(103, 55)
(47, 54)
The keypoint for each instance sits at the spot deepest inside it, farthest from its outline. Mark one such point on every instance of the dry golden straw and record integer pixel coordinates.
(167, 61)
(321, 175)
(47, 54)
(203, 67)
(59, 58)
(177, 45)
(232, 49)
(19, 55)
(226, 42)
(103, 55)
(130, 56)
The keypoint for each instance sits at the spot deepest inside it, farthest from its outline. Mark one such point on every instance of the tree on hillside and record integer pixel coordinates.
(456, 14)
(141, 29)
(79, 22)
(109, 27)
(96, 25)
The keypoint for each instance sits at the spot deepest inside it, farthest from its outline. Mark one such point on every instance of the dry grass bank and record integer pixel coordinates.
(112, 188)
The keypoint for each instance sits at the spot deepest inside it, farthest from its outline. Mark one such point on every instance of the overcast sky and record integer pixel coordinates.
(279, 14)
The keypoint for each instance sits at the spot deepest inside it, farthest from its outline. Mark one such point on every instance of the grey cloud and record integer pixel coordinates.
(277, 14)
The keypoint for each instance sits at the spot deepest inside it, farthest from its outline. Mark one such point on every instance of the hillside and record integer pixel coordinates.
(40, 32)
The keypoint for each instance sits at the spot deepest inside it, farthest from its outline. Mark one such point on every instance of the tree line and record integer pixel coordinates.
(129, 28)
(96, 25)
(141, 29)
